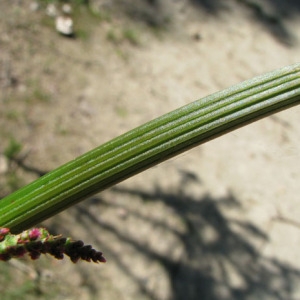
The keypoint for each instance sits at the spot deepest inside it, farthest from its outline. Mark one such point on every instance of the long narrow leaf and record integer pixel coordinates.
(150, 144)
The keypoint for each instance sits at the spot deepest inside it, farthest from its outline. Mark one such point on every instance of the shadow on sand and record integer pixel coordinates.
(227, 266)
(270, 14)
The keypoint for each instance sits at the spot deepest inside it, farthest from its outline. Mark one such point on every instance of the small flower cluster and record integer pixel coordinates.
(39, 241)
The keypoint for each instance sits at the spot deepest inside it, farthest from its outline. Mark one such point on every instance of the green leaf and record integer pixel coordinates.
(150, 144)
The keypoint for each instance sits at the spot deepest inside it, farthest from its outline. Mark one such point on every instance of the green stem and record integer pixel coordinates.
(150, 144)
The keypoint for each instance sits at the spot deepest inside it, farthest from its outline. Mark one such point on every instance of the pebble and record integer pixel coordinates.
(34, 6)
(66, 9)
(64, 25)
(3, 164)
(51, 10)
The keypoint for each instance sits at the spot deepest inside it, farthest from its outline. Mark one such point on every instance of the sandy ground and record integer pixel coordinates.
(218, 222)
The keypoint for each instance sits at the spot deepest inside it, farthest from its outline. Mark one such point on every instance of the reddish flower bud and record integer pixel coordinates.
(34, 234)
(3, 232)
(5, 257)
(34, 254)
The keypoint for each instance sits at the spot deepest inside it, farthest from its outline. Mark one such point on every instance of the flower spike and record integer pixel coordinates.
(39, 241)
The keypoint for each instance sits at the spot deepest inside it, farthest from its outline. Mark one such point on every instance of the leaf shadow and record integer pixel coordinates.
(218, 259)
(272, 15)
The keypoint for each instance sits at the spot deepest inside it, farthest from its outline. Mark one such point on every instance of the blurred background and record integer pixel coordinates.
(218, 222)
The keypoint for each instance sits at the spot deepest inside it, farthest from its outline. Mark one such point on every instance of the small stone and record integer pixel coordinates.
(3, 164)
(122, 213)
(66, 9)
(51, 10)
(64, 25)
(197, 36)
(34, 6)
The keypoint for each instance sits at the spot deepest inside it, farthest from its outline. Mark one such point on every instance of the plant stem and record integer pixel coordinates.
(150, 144)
